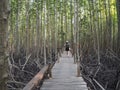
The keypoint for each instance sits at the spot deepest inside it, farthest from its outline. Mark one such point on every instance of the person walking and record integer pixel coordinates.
(67, 47)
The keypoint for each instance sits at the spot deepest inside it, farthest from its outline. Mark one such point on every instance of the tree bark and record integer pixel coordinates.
(3, 27)
(118, 15)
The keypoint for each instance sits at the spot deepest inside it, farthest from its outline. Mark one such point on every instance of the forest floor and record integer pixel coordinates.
(104, 75)
(24, 67)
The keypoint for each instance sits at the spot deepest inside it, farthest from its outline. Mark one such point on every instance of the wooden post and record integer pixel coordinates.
(58, 57)
(78, 69)
(49, 70)
(50, 74)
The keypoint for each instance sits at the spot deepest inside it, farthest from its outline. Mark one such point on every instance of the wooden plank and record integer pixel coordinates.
(36, 80)
(64, 76)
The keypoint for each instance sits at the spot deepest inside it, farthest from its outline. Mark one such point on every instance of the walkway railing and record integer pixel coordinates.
(38, 78)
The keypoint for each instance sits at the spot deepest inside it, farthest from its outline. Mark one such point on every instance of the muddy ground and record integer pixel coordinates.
(22, 67)
(104, 75)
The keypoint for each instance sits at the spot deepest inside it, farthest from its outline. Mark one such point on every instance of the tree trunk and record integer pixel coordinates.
(37, 29)
(3, 27)
(118, 15)
(45, 58)
(27, 28)
(75, 31)
(17, 44)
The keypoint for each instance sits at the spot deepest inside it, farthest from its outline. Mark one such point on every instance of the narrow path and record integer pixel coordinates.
(64, 76)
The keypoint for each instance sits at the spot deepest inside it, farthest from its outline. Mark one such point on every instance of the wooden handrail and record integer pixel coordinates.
(37, 79)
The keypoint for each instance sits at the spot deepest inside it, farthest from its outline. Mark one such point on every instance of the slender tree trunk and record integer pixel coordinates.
(17, 46)
(27, 27)
(71, 18)
(97, 35)
(37, 29)
(62, 32)
(118, 15)
(3, 28)
(45, 33)
(114, 27)
(109, 25)
(75, 31)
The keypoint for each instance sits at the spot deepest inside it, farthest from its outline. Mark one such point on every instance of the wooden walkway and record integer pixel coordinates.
(64, 76)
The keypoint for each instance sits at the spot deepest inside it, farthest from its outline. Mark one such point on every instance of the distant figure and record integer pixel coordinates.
(67, 46)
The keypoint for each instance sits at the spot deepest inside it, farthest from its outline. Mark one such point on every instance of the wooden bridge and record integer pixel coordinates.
(64, 76)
